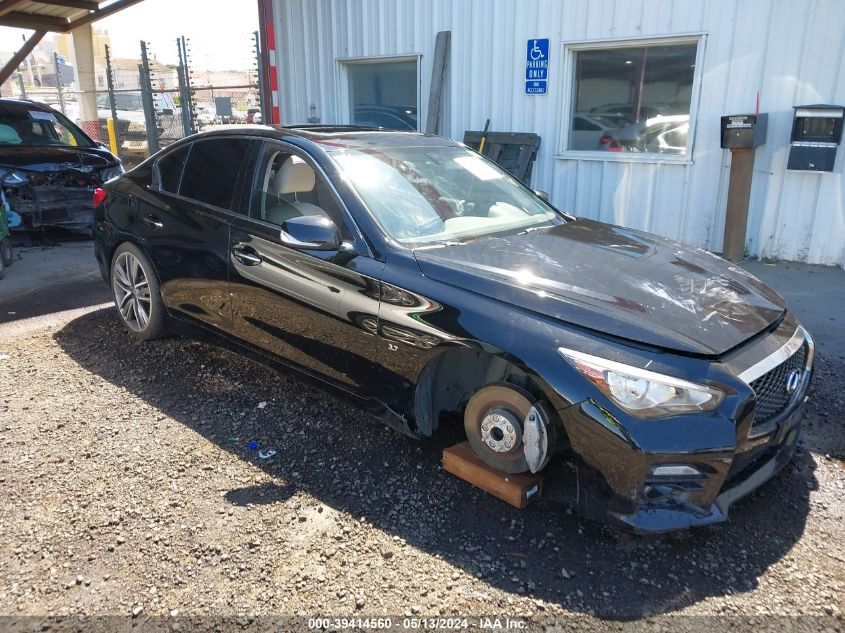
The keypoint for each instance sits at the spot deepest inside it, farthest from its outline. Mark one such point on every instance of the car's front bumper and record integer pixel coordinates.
(651, 476)
(660, 516)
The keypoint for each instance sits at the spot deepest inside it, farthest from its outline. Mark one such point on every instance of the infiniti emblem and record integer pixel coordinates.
(793, 380)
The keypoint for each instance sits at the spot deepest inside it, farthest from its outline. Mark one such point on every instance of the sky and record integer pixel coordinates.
(220, 31)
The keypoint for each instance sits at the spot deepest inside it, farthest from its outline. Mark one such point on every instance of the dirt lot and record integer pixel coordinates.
(129, 488)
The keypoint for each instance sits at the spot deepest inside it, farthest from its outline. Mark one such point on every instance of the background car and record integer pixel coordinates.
(387, 117)
(52, 167)
(424, 283)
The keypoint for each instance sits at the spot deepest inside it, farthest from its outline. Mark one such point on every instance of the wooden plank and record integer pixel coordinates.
(504, 138)
(493, 151)
(438, 79)
(525, 162)
(16, 60)
(517, 490)
(7, 6)
(88, 5)
(21, 20)
(739, 196)
(99, 14)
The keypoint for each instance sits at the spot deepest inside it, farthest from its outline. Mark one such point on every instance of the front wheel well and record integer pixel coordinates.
(448, 382)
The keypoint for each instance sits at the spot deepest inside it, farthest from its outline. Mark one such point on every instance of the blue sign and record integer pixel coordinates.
(537, 67)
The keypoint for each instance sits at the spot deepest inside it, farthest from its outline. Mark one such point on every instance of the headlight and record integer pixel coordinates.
(12, 178)
(641, 392)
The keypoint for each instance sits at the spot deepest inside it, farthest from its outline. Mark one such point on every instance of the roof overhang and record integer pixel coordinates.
(59, 16)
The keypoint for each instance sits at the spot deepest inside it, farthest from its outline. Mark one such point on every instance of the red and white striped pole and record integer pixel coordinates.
(270, 98)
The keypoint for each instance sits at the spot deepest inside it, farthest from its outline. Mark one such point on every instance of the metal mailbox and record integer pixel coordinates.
(744, 131)
(816, 135)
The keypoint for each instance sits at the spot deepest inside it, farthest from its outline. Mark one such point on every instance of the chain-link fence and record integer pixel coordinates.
(152, 105)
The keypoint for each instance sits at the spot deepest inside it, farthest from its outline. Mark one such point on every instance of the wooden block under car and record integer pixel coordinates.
(518, 489)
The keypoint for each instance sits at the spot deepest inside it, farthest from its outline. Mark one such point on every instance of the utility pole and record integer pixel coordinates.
(29, 64)
(185, 99)
(59, 82)
(147, 98)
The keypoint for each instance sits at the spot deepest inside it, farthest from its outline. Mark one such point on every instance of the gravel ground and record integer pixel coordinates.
(129, 488)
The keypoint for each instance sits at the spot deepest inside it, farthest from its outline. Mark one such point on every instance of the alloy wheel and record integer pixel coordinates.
(131, 292)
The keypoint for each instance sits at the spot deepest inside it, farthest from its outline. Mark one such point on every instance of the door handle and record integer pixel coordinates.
(152, 221)
(246, 255)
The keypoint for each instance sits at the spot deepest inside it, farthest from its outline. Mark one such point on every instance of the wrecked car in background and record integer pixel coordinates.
(49, 167)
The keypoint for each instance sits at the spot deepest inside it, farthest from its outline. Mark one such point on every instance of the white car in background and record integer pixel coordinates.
(590, 132)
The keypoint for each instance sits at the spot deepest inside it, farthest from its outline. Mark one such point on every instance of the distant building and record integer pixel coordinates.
(127, 77)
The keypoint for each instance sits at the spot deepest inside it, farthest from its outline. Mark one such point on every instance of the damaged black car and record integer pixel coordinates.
(50, 167)
(428, 285)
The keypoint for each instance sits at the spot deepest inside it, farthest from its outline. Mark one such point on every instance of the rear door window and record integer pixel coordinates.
(214, 170)
(170, 168)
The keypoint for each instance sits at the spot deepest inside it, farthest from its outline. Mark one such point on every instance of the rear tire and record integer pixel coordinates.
(137, 296)
(2, 268)
(6, 251)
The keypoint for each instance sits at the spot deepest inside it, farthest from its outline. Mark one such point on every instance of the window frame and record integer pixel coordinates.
(567, 106)
(344, 113)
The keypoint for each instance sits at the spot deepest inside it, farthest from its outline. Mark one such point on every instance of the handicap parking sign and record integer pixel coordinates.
(537, 67)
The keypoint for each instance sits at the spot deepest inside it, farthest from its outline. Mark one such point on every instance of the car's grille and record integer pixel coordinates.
(771, 389)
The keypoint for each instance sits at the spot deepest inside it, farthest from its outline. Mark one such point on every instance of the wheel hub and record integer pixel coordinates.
(493, 421)
(131, 291)
(500, 430)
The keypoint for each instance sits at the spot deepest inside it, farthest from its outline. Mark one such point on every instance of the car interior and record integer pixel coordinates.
(289, 190)
(21, 131)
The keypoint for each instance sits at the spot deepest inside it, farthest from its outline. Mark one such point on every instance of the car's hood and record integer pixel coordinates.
(624, 283)
(55, 157)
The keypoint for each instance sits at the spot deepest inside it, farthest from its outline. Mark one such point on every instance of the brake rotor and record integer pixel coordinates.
(493, 421)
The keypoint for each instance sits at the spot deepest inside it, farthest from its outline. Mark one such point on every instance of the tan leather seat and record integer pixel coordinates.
(294, 177)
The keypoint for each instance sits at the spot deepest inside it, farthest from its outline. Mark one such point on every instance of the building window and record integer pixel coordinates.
(383, 94)
(633, 99)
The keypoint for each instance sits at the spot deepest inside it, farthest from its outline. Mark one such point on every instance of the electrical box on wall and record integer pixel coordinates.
(744, 131)
(816, 135)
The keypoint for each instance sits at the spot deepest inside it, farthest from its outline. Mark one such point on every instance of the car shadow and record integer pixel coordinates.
(51, 272)
(353, 464)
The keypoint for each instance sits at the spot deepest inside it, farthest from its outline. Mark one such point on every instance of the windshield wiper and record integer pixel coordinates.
(531, 229)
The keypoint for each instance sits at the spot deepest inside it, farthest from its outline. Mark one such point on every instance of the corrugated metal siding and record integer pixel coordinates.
(791, 50)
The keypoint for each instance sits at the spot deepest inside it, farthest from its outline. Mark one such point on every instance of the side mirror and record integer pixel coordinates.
(543, 196)
(311, 232)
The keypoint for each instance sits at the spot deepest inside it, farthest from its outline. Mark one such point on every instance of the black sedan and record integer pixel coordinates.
(49, 167)
(422, 281)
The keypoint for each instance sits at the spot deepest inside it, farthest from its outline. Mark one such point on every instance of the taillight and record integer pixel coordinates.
(99, 197)
(605, 139)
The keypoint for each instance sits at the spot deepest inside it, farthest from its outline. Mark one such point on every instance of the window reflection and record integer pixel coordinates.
(633, 99)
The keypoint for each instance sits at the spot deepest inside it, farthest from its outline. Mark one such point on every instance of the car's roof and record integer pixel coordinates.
(25, 104)
(331, 137)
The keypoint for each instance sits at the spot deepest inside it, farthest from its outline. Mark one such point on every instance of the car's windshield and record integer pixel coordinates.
(122, 101)
(423, 195)
(23, 126)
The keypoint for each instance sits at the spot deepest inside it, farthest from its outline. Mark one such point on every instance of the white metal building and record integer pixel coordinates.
(679, 64)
